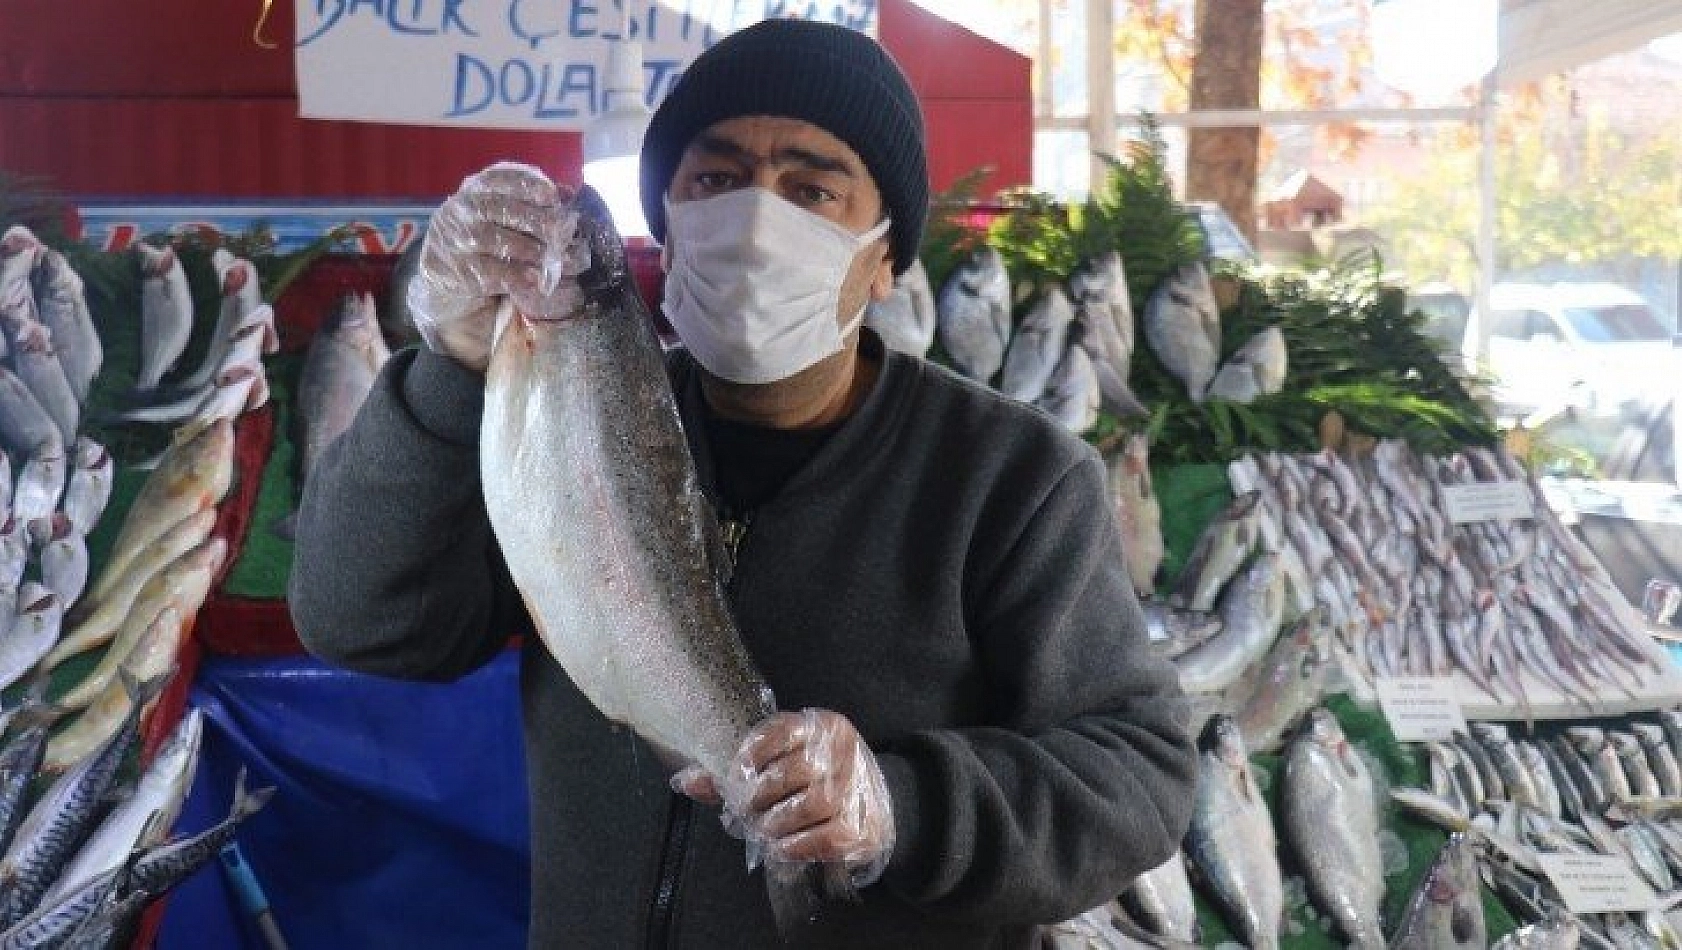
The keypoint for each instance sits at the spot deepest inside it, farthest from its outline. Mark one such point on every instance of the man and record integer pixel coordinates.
(930, 572)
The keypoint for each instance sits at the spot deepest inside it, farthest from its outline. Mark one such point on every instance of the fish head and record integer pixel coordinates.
(237, 276)
(1226, 741)
(90, 454)
(155, 261)
(18, 240)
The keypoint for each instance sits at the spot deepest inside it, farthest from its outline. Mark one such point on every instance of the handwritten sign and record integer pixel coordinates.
(1597, 883)
(1421, 708)
(1489, 501)
(515, 64)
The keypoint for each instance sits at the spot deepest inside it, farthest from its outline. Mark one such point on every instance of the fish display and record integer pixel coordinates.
(972, 314)
(654, 610)
(239, 364)
(1289, 681)
(1232, 839)
(61, 303)
(1182, 326)
(1071, 393)
(1256, 369)
(1446, 912)
(906, 319)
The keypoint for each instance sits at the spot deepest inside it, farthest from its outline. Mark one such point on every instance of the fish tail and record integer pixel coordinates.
(247, 802)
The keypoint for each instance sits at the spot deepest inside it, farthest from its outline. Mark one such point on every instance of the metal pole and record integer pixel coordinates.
(1486, 215)
(1100, 84)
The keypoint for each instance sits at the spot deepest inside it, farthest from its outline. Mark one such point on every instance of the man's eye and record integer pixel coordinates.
(813, 195)
(714, 181)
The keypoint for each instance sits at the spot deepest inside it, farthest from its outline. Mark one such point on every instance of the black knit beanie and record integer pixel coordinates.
(839, 80)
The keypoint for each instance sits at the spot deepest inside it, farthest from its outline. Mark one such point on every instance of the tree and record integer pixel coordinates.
(1226, 74)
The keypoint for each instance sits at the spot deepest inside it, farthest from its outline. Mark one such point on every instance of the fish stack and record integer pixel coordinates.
(1585, 790)
(78, 872)
(1519, 609)
(1183, 327)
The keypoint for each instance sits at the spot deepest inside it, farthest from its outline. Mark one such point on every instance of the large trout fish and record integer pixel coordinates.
(594, 500)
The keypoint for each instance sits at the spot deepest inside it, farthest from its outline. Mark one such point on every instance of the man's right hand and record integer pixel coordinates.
(484, 243)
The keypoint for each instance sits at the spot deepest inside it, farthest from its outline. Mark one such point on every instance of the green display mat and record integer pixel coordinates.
(265, 561)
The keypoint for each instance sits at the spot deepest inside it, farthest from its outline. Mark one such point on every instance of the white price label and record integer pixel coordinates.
(1489, 501)
(1421, 708)
(1597, 883)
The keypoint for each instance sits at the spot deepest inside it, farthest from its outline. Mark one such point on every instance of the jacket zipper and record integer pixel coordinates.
(682, 813)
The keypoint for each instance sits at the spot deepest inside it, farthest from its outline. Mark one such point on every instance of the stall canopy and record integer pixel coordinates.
(1541, 37)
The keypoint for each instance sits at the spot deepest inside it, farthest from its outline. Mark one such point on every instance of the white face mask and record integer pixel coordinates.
(754, 284)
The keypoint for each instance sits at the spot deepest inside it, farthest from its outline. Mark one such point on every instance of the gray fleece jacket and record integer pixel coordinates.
(946, 572)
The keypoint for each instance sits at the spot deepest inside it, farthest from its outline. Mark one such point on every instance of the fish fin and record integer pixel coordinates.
(247, 802)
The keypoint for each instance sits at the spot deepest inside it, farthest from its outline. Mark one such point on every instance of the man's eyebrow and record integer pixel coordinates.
(719, 146)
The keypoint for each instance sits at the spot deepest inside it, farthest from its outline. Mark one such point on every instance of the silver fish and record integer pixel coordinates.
(1178, 319)
(1138, 512)
(642, 625)
(1161, 900)
(1642, 782)
(973, 314)
(63, 306)
(64, 816)
(1256, 369)
(1235, 382)
(1571, 803)
(52, 923)
(1330, 815)
(33, 633)
(35, 360)
(906, 320)
(107, 925)
(167, 865)
(1494, 788)
(1430, 807)
(1039, 344)
(1250, 618)
(241, 358)
(241, 294)
(1104, 308)
(335, 380)
(1647, 855)
(20, 761)
(1671, 721)
(1659, 757)
(1220, 551)
(19, 249)
(63, 556)
(166, 314)
(5, 481)
(91, 472)
(25, 425)
(14, 556)
(1288, 682)
(1173, 632)
(156, 801)
(40, 484)
(1446, 912)
(1071, 395)
(1541, 777)
(1232, 840)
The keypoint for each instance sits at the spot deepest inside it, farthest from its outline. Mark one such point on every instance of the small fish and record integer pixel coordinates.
(194, 474)
(19, 249)
(906, 319)
(1559, 931)
(91, 472)
(1329, 810)
(1221, 550)
(151, 655)
(1446, 912)
(241, 296)
(1633, 758)
(52, 923)
(1178, 319)
(1432, 808)
(40, 484)
(5, 482)
(1235, 382)
(1104, 309)
(63, 557)
(14, 556)
(108, 924)
(20, 760)
(1161, 900)
(1038, 346)
(25, 426)
(1659, 757)
(1174, 633)
(61, 299)
(35, 360)
(1138, 512)
(64, 816)
(166, 314)
(1288, 682)
(167, 865)
(1071, 395)
(1647, 855)
(240, 358)
(33, 633)
(1232, 839)
(973, 314)
(1541, 777)
(1571, 803)
(1250, 618)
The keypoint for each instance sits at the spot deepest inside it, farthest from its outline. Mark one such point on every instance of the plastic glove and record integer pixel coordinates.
(486, 242)
(816, 795)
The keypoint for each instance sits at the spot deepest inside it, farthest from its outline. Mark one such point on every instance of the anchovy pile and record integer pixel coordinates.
(1585, 790)
(1520, 609)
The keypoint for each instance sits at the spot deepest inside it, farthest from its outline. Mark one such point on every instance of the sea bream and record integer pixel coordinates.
(1182, 325)
(1104, 309)
(62, 302)
(1329, 809)
(1232, 839)
(973, 314)
(1256, 369)
(581, 451)
(1071, 394)
(1038, 345)
(906, 319)
(166, 313)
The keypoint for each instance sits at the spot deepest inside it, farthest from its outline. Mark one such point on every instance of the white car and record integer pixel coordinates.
(1593, 347)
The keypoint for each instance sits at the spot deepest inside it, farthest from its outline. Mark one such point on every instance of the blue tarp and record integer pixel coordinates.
(400, 817)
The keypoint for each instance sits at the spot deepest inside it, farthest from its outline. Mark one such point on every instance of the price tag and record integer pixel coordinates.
(1597, 883)
(1489, 501)
(1421, 708)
